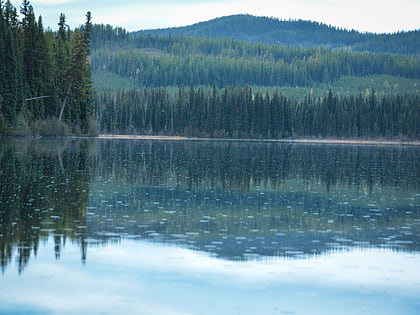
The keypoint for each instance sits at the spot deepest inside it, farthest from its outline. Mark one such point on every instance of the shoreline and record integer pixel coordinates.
(308, 141)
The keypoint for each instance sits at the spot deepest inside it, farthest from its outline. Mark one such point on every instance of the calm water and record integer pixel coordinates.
(148, 227)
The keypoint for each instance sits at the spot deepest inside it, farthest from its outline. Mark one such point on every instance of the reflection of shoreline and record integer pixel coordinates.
(233, 199)
(320, 141)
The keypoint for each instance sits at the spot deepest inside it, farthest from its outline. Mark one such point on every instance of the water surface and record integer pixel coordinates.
(131, 226)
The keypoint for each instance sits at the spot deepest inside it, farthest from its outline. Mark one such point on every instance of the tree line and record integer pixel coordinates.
(232, 108)
(238, 112)
(46, 86)
(45, 77)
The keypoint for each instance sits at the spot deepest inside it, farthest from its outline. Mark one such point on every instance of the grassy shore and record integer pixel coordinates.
(320, 141)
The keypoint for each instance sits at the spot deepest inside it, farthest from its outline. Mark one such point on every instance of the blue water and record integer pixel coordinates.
(143, 277)
(144, 227)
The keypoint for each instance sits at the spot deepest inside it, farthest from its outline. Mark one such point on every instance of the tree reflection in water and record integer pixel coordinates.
(44, 191)
(236, 200)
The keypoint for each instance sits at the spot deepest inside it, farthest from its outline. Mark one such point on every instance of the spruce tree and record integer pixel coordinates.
(78, 76)
(10, 63)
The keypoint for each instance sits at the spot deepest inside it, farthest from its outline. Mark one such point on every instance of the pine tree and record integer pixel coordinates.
(3, 30)
(10, 64)
(78, 76)
(62, 60)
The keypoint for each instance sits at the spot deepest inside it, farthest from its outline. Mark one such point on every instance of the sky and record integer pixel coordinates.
(378, 16)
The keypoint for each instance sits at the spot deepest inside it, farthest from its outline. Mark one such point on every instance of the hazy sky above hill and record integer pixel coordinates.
(379, 16)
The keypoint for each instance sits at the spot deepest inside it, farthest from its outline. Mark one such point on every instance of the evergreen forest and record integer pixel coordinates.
(232, 77)
(176, 84)
(238, 112)
(45, 78)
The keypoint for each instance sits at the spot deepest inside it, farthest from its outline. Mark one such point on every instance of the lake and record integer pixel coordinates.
(208, 227)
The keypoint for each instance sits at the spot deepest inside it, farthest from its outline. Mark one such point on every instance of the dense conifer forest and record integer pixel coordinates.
(45, 78)
(150, 60)
(237, 112)
(209, 87)
(189, 81)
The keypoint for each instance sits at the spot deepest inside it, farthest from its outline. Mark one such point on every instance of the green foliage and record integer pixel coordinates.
(348, 85)
(238, 112)
(382, 84)
(2, 125)
(36, 68)
(108, 81)
(92, 129)
(2, 120)
(50, 127)
(375, 94)
(11, 68)
(174, 61)
(109, 36)
(21, 128)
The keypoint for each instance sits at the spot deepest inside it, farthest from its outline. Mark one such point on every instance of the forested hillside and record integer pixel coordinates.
(244, 89)
(45, 78)
(295, 33)
(148, 60)
(203, 86)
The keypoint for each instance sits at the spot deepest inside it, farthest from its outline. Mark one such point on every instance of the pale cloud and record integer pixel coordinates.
(372, 16)
(51, 2)
(328, 269)
(139, 275)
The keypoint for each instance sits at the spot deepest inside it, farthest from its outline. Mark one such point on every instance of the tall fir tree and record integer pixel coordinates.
(36, 69)
(10, 63)
(78, 76)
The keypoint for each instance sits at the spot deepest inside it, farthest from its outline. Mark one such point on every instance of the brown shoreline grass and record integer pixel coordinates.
(315, 141)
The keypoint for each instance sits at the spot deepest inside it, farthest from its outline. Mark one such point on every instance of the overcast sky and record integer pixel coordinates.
(379, 16)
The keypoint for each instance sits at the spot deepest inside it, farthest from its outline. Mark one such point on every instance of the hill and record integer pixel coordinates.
(154, 60)
(236, 88)
(295, 33)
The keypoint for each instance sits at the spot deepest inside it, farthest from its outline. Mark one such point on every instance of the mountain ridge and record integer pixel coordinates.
(294, 33)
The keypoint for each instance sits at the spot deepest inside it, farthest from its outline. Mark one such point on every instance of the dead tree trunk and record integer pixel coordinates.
(37, 98)
(64, 102)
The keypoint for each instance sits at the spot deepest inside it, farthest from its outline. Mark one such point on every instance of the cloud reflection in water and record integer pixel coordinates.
(152, 278)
